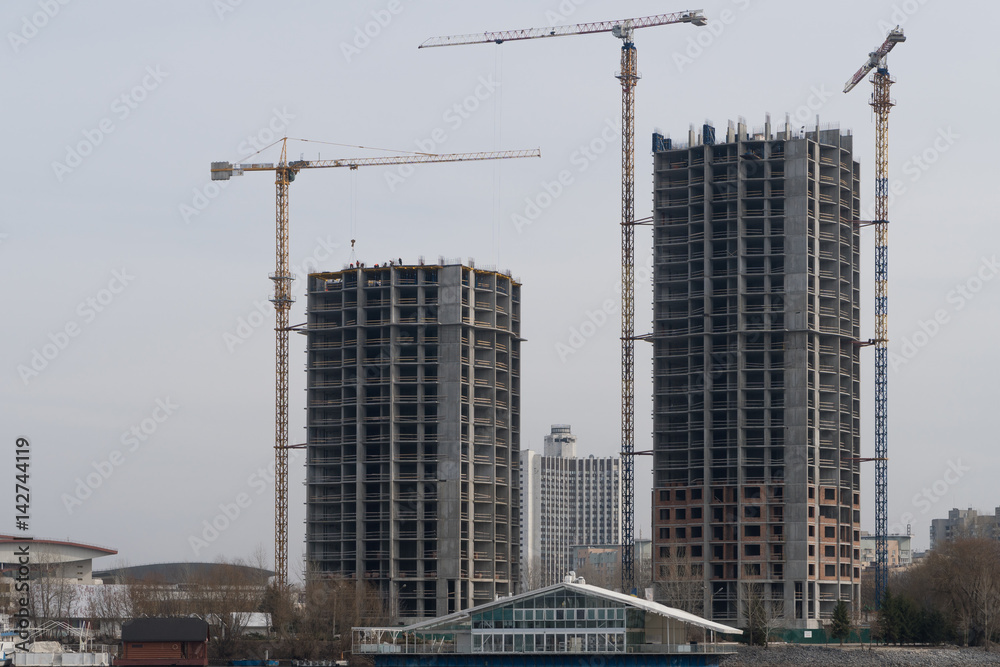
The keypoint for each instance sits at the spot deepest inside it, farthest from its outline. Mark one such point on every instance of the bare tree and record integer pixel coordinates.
(330, 607)
(762, 612)
(681, 582)
(965, 576)
(280, 604)
(226, 598)
(51, 595)
(108, 606)
(153, 596)
(603, 577)
(643, 571)
(775, 618)
(532, 574)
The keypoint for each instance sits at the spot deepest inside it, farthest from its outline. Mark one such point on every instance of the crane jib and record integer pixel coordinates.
(694, 16)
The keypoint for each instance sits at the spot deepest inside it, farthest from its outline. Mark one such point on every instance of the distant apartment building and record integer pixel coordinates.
(756, 368)
(413, 417)
(899, 550)
(965, 523)
(565, 501)
(600, 564)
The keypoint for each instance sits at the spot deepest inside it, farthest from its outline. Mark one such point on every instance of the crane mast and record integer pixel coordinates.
(628, 76)
(282, 301)
(881, 104)
(284, 174)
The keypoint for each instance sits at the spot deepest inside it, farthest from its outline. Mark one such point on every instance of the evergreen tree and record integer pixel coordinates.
(935, 626)
(909, 619)
(841, 626)
(888, 619)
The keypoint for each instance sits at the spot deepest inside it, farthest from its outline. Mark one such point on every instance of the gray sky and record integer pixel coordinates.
(148, 284)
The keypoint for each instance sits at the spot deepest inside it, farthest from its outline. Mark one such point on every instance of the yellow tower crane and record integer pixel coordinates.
(881, 103)
(285, 173)
(628, 76)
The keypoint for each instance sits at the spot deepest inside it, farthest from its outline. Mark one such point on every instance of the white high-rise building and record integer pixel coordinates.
(565, 501)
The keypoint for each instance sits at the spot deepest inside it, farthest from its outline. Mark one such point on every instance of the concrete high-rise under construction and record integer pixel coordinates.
(413, 433)
(756, 378)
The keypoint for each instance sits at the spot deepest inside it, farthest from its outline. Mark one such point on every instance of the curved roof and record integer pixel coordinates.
(59, 550)
(628, 600)
(179, 573)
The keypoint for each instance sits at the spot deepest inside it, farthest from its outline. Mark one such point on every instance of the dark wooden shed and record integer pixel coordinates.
(164, 641)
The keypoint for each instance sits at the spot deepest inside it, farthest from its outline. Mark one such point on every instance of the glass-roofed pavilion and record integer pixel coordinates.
(554, 625)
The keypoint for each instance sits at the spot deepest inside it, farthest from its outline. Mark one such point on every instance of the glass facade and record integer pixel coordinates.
(561, 621)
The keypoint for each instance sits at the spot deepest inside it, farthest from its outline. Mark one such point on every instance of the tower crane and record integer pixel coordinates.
(881, 103)
(285, 172)
(628, 76)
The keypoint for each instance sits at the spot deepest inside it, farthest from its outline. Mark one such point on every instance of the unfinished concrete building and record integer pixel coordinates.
(413, 432)
(756, 377)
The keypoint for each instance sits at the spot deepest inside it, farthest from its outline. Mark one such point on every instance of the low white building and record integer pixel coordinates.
(71, 561)
(898, 550)
(564, 618)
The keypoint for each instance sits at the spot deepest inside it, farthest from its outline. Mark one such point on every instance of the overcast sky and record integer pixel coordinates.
(135, 289)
